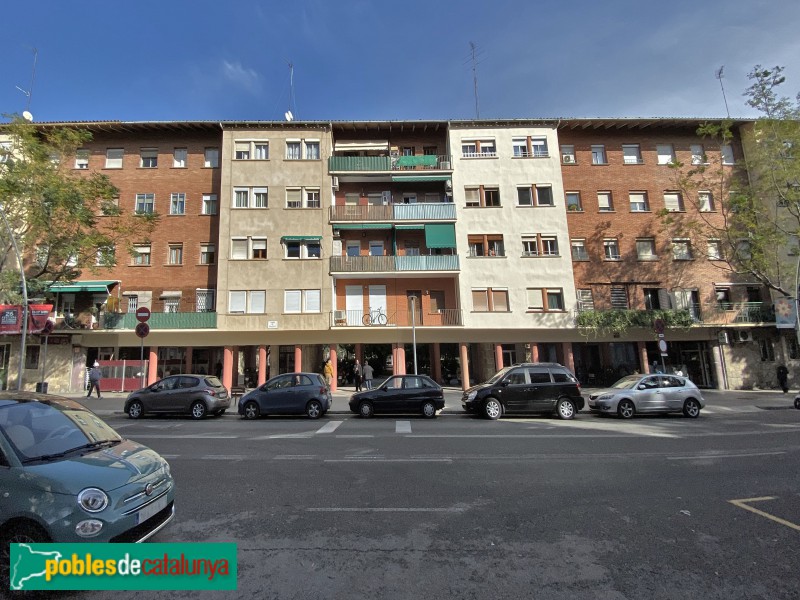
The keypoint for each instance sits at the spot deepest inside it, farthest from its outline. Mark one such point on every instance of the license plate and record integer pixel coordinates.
(151, 509)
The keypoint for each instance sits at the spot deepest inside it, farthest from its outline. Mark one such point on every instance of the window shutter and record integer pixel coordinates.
(258, 301)
(672, 202)
(238, 302)
(312, 300)
(239, 249)
(292, 301)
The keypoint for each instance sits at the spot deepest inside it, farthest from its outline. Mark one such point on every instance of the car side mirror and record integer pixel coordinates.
(505, 383)
(642, 386)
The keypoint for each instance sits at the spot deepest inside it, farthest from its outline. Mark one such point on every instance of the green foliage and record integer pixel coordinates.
(605, 322)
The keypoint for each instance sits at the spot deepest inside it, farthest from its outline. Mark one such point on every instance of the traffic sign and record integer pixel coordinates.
(662, 346)
(142, 314)
(142, 329)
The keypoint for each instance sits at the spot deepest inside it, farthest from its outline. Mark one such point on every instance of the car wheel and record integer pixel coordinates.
(492, 409)
(20, 533)
(199, 409)
(135, 409)
(626, 409)
(691, 408)
(365, 409)
(565, 409)
(428, 410)
(251, 410)
(314, 409)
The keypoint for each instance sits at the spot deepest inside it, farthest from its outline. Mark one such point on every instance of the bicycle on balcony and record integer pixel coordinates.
(375, 317)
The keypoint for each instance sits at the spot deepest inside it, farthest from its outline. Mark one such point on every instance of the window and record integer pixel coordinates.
(207, 254)
(486, 245)
(549, 245)
(176, 254)
(524, 196)
(520, 147)
(611, 249)
(529, 146)
(209, 204)
(767, 350)
(211, 158)
(141, 255)
(619, 298)
(248, 248)
(631, 154)
(714, 250)
(205, 300)
(376, 248)
(530, 245)
(646, 249)
(604, 203)
(490, 300)
(172, 305)
(241, 150)
(177, 204)
(411, 248)
(312, 150)
(638, 201)
(145, 203)
(114, 158)
(239, 249)
(574, 201)
(723, 297)
(652, 298)
(312, 198)
(250, 197)
(257, 302)
(106, 256)
(293, 150)
(673, 202)
(727, 154)
(6, 151)
(31, 357)
(258, 248)
(241, 198)
(82, 159)
(579, 250)
(705, 201)
(478, 148)
(261, 150)
(537, 195)
(491, 197)
(294, 198)
(598, 155)
(301, 301)
(260, 197)
(237, 301)
(544, 195)
(743, 250)
(698, 154)
(545, 299)
(585, 299)
(133, 303)
(681, 250)
(179, 158)
(148, 158)
(539, 147)
(472, 197)
(567, 154)
(666, 154)
(312, 249)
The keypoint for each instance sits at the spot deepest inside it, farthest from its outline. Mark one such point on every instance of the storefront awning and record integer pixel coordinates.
(360, 226)
(81, 286)
(440, 235)
(301, 238)
(420, 178)
(355, 145)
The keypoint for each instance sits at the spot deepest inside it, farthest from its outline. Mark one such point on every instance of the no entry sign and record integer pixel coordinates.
(142, 314)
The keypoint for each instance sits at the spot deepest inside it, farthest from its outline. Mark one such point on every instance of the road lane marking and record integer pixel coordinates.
(452, 509)
(224, 457)
(355, 435)
(184, 437)
(744, 503)
(294, 457)
(329, 427)
(631, 428)
(706, 456)
(376, 459)
(402, 427)
(283, 436)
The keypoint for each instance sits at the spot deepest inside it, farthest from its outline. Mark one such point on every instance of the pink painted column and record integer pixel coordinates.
(436, 362)
(569, 358)
(152, 365)
(401, 359)
(335, 365)
(188, 361)
(498, 356)
(395, 363)
(262, 364)
(534, 352)
(463, 353)
(644, 366)
(227, 367)
(298, 358)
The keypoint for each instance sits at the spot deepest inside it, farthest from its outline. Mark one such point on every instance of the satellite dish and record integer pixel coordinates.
(27, 115)
(289, 116)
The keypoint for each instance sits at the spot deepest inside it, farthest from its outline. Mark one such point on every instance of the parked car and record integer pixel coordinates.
(526, 388)
(648, 394)
(288, 394)
(195, 395)
(400, 394)
(67, 477)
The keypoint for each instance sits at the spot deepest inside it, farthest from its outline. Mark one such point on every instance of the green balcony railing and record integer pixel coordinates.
(423, 211)
(384, 264)
(427, 162)
(177, 320)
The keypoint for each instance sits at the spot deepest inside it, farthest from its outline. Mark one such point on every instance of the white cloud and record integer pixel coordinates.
(247, 79)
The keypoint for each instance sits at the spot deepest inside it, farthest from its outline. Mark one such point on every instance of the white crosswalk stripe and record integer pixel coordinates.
(329, 427)
(402, 427)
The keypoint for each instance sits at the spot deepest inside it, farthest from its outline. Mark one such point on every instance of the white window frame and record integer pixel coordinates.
(82, 159)
(705, 201)
(211, 157)
(549, 244)
(148, 158)
(530, 244)
(673, 202)
(646, 249)
(210, 202)
(608, 206)
(114, 158)
(578, 246)
(208, 253)
(242, 149)
(714, 250)
(534, 299)
(177, 200)
(308, 146)
(665, 153)
(175, 250)
(631, 154)
(143, 201)
(239, 248)
(568, 153)
(261, 150)
(521, 188)
(698, 154)
(142, 256)
(681, 249)
(257, 302)
(294, 149)
(260, 197)
(726, 155)
(172, 305)
(611, 249)
(552, 197)
(638, 202)
(599, 154)
(241, 198)
(578, 205)
(237, 302)
(180, 158)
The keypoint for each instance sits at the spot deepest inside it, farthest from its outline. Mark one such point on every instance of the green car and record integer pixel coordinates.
(66, 476)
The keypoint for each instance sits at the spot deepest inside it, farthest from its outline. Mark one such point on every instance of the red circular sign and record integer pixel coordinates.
(142, 329)
(142, 314)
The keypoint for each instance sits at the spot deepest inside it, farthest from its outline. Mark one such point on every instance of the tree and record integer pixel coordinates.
(61, 217)
(754, 226)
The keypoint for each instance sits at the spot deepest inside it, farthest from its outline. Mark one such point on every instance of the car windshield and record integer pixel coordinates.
(44, 430)
(499, 375)
(627, 383)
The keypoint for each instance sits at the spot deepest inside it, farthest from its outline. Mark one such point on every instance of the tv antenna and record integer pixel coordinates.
(288, 114)
(29, 91)
(719, 76)
(473, 58)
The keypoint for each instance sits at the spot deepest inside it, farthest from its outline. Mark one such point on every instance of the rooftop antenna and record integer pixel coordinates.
(722, 87)
(289, 115)
(473, 52)
(29, 91)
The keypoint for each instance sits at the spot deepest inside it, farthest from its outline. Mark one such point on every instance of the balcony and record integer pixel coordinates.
(177, 320)
(393, 264)
(726, 313)
(427, 162)
(433, 211)
(446, 317)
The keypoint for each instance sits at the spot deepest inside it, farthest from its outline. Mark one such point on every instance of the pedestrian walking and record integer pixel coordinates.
(327, 371)
(783, 377)
(95, 375)
(357, 375)
(368, 374)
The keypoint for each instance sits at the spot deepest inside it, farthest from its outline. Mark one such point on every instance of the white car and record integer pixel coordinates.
(648, 394)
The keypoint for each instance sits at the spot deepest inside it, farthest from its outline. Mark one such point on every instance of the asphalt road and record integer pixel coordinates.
(459, 507)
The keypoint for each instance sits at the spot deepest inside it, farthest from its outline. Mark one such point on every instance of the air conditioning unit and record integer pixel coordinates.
(723, 338)
(339, 315)
(335, 183)
(744, 336)
(568, 158)
(445, 165)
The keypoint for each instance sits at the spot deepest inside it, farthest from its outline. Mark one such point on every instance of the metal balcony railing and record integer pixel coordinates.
(427, 162)
(446, 317)
(384, 264)
(433, 211)
(177, 320)
(725, 313)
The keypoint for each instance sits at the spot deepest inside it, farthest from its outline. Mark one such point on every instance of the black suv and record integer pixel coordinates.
(526, 388)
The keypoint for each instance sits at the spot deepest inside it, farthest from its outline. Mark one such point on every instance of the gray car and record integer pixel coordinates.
(195, 395)
(288, 394)
(648, 394)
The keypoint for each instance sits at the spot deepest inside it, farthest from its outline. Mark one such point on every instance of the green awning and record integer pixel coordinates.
(360, 226)
(81, 286)
(409, 226)
(402, 178)
(301, 238)
(440, 235)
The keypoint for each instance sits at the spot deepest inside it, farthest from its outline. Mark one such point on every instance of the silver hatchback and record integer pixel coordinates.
(648, 394)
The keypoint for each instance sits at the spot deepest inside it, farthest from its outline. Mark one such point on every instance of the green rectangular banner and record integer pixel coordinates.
(123, 567)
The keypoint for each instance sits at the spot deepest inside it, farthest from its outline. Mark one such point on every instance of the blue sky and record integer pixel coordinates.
(376, 60)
